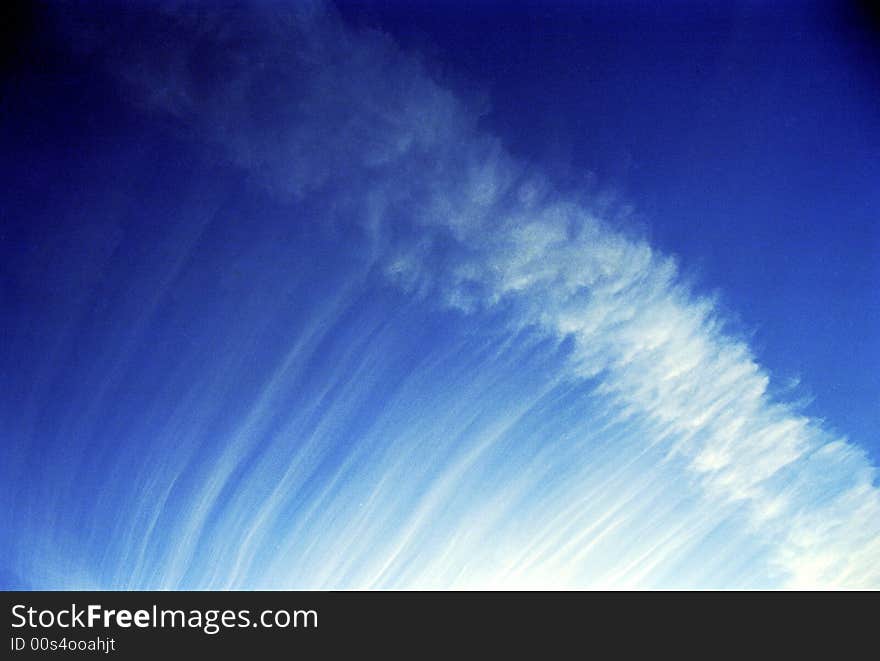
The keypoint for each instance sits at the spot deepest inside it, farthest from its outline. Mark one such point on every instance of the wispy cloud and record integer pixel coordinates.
(674, 466)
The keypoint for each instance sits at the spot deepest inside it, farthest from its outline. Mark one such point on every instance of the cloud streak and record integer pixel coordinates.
(640, 448)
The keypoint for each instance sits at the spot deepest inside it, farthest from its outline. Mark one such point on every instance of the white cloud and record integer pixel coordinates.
(314, 109)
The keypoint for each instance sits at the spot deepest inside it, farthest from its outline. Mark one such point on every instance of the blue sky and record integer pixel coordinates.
(380, 296)
(745, 137)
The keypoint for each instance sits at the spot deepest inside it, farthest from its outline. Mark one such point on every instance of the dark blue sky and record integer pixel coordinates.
(746, 139)
(289, 303)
